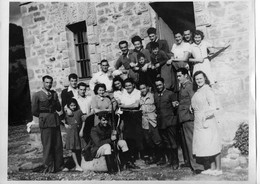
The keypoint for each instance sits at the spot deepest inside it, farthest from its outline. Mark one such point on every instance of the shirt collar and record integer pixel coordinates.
(147, 96)
(161, 94)
(185, 83)
(126, 55)
(103, 73)
(46, 92)
(71, 89)
(140, 49)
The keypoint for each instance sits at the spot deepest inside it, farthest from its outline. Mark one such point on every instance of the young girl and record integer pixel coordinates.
(74, 125)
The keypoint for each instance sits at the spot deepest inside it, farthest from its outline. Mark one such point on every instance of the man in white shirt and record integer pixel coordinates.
(103, 76)
(132, 118)
(187, 34)
(83, 100)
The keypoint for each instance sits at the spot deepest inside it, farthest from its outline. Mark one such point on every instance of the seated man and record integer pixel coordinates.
(102, 138)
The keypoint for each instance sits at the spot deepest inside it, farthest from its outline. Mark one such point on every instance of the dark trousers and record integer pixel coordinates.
(169, 137)
(183, 144)
(151, 136)
(52, 148)
(133, 132)
(188, 128)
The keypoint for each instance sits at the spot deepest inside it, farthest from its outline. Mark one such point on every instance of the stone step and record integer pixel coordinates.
(97, 164)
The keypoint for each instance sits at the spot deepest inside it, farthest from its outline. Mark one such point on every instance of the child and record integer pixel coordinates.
(144, 69)
(158, 60)
(74, 131)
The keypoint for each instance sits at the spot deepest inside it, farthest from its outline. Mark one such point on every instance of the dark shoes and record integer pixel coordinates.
(162, 161)
(130, 165)
(198, 171)
(185, 165)
(175, 166)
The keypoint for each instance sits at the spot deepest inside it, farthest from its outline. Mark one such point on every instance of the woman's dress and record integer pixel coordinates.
(206, 139)
(200, 51)
(73, 141)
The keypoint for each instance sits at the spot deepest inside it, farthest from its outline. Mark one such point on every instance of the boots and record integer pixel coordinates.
(127, 161)
(110, 164)
(160, 155)
(175, 159)
(169, 155)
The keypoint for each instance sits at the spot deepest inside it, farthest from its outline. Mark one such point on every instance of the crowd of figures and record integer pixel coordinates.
(154, 102)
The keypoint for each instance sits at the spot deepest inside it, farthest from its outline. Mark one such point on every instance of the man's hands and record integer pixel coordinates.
(175, 104)
(81, 133)
(113, 135)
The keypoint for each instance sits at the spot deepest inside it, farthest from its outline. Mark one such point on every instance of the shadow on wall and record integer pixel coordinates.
(19, 107)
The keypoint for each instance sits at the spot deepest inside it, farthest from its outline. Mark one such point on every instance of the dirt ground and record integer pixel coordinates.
(22, 158)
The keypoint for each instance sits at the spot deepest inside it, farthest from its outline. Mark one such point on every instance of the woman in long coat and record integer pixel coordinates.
(206, 139)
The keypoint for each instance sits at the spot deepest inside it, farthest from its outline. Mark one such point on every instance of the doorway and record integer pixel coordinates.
(173, 17)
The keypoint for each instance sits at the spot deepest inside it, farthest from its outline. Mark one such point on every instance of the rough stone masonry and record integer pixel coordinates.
(48, 44)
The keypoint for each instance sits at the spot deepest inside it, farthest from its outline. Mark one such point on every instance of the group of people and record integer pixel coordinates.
(152, 103)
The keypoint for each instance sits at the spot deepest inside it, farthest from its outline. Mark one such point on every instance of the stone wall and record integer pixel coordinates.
(121, 21)
(49, 43)
(223, 22)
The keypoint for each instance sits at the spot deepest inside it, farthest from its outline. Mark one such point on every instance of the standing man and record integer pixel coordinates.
(149, 125)
(125, 59)
(71, 91)
(83, 99)
(84, 102)
(132, 118)
(165, 102)
(187, 34)
(163, 45)
(185, 116)
(103, 76)
(45, 103)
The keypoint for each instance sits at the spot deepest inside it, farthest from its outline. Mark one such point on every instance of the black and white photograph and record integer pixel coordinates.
(129, 91)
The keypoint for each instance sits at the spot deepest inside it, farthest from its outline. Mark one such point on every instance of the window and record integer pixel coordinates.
(81, 49)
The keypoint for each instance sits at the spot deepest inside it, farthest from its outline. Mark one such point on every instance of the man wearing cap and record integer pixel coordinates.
(45, 104)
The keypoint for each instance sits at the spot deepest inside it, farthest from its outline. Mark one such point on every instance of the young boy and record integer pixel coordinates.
(144, 70)
(158, 60)
(149, 124)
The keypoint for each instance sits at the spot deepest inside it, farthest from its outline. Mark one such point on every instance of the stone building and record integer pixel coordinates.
(72, 37)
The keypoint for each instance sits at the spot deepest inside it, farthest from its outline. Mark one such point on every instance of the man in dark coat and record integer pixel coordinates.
(45, 103)
(165, 102)
(185, 116)
(125, 59)
(102, 138)
(163, 45)
(71, 91)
